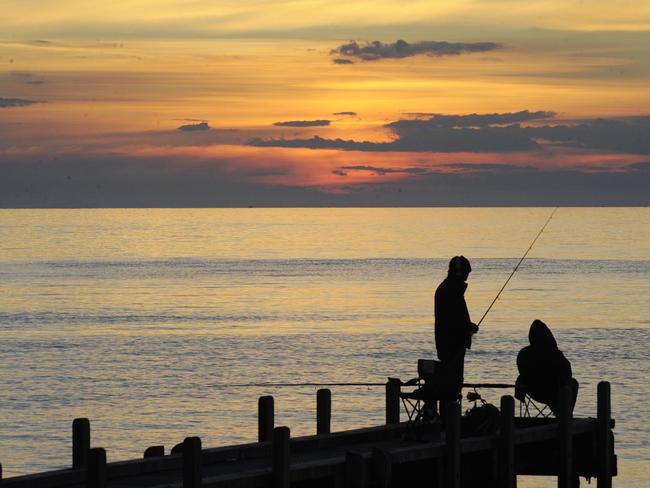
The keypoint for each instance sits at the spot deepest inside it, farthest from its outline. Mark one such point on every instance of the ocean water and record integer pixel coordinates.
(141, 319)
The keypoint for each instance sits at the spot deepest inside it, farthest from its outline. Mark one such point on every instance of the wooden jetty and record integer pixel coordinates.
(379, 456)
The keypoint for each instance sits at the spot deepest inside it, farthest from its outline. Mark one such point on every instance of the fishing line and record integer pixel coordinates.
(518, 264)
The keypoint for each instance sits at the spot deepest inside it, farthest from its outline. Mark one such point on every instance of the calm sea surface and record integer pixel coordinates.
(139, 319)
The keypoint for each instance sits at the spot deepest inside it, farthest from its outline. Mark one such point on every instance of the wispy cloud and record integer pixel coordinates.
(343, 170)
(489, 167)
(490, 139)
(643, 166)
(303, 123)
(376, 50)
(17, 102)
(351, 114)
(194, 127)
(472, 120)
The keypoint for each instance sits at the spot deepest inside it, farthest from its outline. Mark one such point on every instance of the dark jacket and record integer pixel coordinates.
(453, 327)
(543, 369)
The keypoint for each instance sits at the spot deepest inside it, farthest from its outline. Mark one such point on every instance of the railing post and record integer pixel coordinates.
(355, 470)
(382, 468)
(96, 472)
(393, 388)
(507, 476)
(603, 436)
(265, 418)
(323, 411)
(192, 473)
(154, 451)
(281, 457)
(565, 434)
(80, 442)
(452, 445)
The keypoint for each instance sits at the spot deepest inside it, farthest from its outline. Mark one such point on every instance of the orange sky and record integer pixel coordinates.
(117, 81)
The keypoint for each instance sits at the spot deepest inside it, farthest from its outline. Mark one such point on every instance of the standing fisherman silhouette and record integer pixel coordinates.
(453, 327)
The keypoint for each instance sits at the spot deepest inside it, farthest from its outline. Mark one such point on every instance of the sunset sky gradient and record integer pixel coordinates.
(299, 103)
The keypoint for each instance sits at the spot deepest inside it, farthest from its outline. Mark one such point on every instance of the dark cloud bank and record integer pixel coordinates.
(91, 180)
(95, 181)
(493, 133)
(118, 181)
(376, 50)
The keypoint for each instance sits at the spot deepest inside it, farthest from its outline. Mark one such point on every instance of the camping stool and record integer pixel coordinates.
(421, 404)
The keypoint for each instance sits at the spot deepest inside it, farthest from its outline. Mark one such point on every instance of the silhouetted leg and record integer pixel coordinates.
(573, 383)
(574, 386)
(456, 372)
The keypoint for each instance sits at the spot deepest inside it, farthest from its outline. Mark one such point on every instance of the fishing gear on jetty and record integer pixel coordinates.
(370, 384)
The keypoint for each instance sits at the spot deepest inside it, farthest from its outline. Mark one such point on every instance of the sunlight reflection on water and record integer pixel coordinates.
(137, 318)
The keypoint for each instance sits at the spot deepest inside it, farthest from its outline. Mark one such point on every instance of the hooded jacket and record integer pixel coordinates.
(543, 369)
(453, 327)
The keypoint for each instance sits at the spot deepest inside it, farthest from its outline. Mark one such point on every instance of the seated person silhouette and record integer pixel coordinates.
(543, 369)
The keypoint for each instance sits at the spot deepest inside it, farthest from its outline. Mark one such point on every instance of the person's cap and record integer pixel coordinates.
(459, 264)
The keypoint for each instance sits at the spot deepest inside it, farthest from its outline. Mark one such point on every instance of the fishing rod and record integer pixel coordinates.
(291, 385)
(518, 264)
(474, 385)
(278, 385)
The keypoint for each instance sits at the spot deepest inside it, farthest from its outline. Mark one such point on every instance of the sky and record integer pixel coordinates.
(195, 103)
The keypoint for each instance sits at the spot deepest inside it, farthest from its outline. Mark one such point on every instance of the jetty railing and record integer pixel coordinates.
(374, 456)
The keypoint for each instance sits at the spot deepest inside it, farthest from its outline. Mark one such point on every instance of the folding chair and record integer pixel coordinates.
(528, 407)
(421, 404)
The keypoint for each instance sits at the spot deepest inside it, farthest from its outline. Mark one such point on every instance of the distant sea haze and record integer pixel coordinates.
(140, 318)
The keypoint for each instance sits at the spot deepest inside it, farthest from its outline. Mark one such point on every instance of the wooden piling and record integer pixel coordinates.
(80, 442)
(603, 436)
(382, 469)
(355, 470)
(96, 472)
(393, 388)
(452, 445)
(565, 436)
(323, 411)
(265, 418)
(506, 456)
(280, 457)
(192, 463)
(154, 451)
